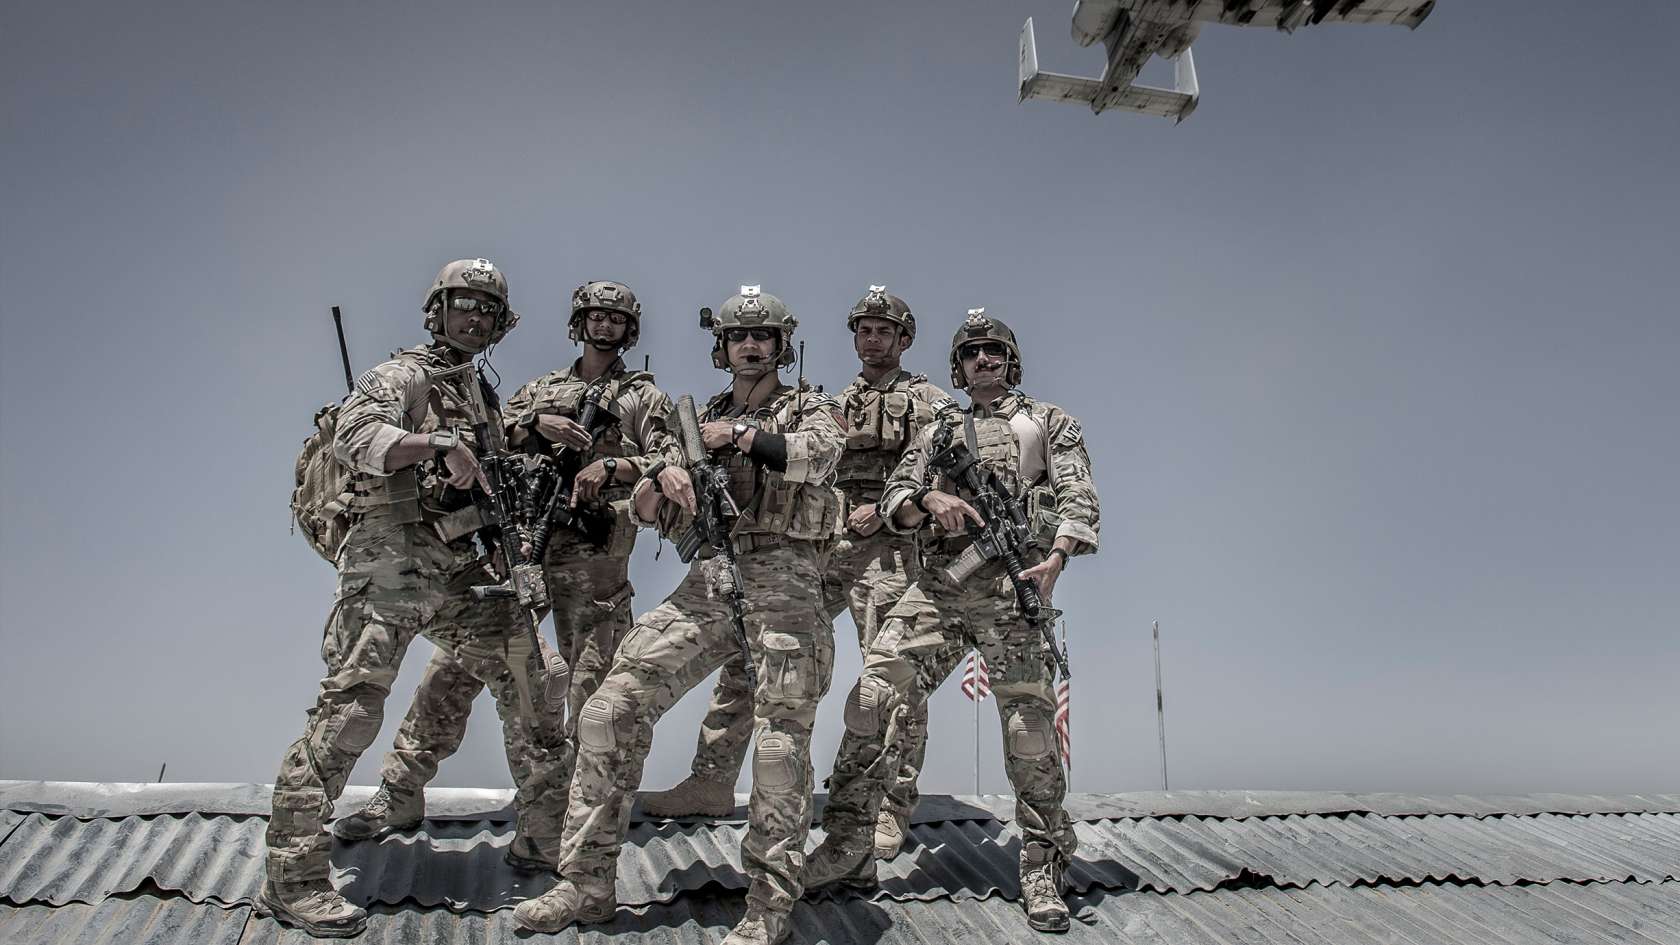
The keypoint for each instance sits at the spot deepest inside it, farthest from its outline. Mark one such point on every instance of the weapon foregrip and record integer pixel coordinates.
(688, 422)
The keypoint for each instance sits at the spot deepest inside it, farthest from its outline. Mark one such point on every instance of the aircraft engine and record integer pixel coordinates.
(1093, 20)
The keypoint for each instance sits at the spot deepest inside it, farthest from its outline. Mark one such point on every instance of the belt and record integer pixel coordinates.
(756, 540)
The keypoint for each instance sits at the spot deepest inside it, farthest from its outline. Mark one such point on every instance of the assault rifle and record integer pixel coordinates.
(594, 417)
(714, 517)
(1006, 536)
(524, 582)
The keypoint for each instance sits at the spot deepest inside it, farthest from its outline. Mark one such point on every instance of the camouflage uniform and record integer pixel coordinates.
(864, 574)
(786, 522)
(1037, 449)
(406, 568)
(588, 585)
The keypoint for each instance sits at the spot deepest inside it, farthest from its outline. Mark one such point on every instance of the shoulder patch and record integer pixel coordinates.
(370, 383)
(1071, 434)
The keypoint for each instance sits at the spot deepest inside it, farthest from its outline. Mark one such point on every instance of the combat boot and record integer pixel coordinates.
(832, 863)
(313, 906)
(388, 809)
(890, 828)
(759, 926)
(1041, 896)
(562, 906)
(694, 797)
(529, 856)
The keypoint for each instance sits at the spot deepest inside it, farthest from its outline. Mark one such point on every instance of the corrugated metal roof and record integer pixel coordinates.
(458, 865)
(88, 800)
(1436, 914)
(143, 920)
(1476, 875)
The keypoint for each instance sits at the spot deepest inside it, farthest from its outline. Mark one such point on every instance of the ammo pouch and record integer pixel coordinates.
(398, 495)
(1042, 516)
(622, 538)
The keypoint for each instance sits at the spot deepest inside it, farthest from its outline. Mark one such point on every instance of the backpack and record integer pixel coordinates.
(322, 497)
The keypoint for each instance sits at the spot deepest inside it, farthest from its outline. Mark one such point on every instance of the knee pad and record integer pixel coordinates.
(605, 722)
(1029, 734)
(866, 707)
(773, 761)
(359, 721)
(556, 680)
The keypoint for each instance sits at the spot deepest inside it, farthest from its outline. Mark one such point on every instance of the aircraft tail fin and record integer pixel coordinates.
(1049, 85)
(1176, 103)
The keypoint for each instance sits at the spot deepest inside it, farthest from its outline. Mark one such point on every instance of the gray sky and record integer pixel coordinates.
(1375, 354)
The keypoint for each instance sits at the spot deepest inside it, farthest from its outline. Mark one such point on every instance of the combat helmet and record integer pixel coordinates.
(480, 274)
(879, 304)
(753, 308)
(979, 326)
(608, 297)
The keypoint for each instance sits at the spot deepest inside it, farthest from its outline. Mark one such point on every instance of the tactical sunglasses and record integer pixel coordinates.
(599, 316)
(737, 335)
(490, 308)
(991, 349)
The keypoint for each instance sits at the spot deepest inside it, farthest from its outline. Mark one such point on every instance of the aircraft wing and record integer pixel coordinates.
(1288, 14)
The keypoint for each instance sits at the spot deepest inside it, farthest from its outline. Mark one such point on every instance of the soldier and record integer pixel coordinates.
(406, 567)
(869, 567)
(780, 446)
(587, 575)
(1036, 449)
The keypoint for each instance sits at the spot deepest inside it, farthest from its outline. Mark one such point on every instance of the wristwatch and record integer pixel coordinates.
(610, 464)
(736, 432)
(1058, 551)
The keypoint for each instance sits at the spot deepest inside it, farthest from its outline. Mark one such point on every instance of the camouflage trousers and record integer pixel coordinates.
(396, 581)
(924, 637)
(865, 576)
(669, 651)
(589, 594)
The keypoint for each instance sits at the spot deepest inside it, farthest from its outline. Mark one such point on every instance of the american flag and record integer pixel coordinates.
(1064, 734)
(976, 684)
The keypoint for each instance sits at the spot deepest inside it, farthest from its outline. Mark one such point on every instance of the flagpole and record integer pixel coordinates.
(973, 655)
(1160, 707)
(1069, 657)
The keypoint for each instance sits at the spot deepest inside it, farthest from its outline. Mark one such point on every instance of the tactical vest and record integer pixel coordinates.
(418, 493)
(770, 505)
(879, 427)
(565, 398)
(999, 450)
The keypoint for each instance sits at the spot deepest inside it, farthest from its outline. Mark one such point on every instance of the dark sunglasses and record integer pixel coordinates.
(463, 304)
(737, 335)
(991, 349)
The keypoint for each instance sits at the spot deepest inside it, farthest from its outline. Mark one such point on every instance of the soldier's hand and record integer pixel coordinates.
(675, 485)
(950, 512)
(587, 483)
(564, 431)
(716, 433)
(1044, 574)
(865, 520)
(464, 469)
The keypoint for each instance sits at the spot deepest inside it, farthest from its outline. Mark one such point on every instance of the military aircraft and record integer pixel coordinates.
(1134, 30)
